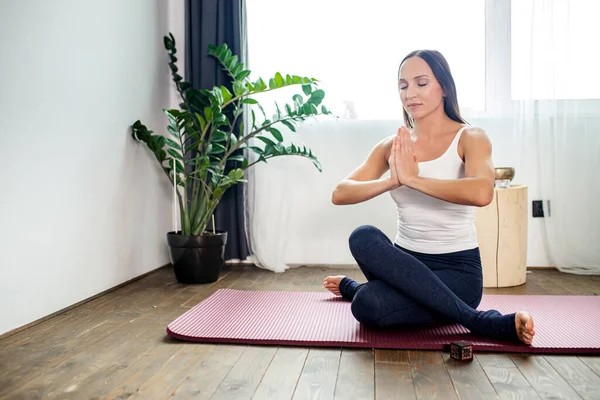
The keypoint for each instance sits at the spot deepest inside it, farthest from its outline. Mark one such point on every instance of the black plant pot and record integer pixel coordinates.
(197, 259)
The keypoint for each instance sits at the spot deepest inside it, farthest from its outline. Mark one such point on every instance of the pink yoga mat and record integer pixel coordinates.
(563, 324)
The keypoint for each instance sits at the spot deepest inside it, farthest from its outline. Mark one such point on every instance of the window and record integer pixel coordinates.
(553, 52)
(499, 51)
(355, 47)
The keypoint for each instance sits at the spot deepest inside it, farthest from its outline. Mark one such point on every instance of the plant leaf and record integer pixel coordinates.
(183, 86)
(289, 110)
(174, 144)
(266, 140)
(278, 112)
(175, 154)
(260, 85)
(276, 134)
(238, 88)
(217, 148)
(316, 97)
(237, 69)
(298, 101)
(237, 158)
(255, 149)
(208, 114)
(249, 100)
(307, 89)
(262, 110)
(201, 120)
(225, 94)
(289, 125)
(173, 131)
(242, 75)
(218, 136)
(279, 82)
(218, 95)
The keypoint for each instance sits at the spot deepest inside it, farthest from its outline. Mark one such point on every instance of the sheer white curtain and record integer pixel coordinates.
(555, 93)
(532, 93)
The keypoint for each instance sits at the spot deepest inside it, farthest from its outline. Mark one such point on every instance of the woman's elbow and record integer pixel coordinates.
(336, 198)
(484, 197)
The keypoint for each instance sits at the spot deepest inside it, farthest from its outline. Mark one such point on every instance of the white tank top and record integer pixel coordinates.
(430, 225)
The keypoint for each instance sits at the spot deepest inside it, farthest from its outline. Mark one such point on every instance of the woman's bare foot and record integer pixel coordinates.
(524, 324)
(332, 283)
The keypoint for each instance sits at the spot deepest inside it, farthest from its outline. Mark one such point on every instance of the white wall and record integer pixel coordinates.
(83, 207)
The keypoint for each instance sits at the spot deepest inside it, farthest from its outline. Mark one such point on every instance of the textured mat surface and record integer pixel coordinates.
(563, 324)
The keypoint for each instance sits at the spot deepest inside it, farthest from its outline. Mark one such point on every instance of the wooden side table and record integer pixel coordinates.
(502, 235)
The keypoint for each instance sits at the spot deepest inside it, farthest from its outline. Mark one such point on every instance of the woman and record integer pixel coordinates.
(440, 171)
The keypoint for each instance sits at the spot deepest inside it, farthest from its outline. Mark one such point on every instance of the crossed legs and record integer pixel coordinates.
(403, 290)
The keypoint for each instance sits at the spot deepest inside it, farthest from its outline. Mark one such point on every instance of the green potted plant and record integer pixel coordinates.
(203, 157)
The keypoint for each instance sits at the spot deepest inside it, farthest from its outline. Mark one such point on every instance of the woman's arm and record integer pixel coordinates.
(365, 182)
(477, 187)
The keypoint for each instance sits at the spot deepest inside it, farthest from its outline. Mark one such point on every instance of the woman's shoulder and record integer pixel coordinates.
(473, 131)
(473, 137)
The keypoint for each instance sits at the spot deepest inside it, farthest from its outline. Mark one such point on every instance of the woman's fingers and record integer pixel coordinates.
(407, 143)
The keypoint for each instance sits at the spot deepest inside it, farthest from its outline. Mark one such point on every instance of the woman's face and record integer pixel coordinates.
(420, 92)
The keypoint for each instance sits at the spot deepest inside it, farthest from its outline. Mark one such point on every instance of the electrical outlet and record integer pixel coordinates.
(537, 207)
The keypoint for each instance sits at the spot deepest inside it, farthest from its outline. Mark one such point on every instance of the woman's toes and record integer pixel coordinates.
(524, 326)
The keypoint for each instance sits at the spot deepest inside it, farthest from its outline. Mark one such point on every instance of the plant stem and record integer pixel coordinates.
(184, 210)
(224, 159)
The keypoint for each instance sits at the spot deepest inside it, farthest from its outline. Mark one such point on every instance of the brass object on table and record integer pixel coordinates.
(503, 173)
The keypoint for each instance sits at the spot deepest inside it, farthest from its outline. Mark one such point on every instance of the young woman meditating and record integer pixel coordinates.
(440, 171)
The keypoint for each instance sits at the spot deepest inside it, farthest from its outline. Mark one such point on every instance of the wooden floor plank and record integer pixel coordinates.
(510, 383)
(173, 372)
(243, 379)
(319, 375)
(282, 375)
(580, 377)
(393, 376)
(469, 379)
(356, 376)
(543, 378)
(499, 360)
(205, 377)
(505, 377)
(430, 376)
(593, 362)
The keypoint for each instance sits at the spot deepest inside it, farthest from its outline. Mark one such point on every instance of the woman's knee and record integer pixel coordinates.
(363, 309)
(362, 236)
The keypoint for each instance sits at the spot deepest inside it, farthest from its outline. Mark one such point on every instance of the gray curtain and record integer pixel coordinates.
(217, 22)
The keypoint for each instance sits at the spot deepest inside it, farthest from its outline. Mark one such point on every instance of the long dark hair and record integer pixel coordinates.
(441, 71)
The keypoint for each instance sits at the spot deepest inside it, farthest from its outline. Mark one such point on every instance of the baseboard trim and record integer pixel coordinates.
(54, 314)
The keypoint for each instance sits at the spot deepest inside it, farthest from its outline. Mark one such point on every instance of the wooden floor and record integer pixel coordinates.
(115, 346)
